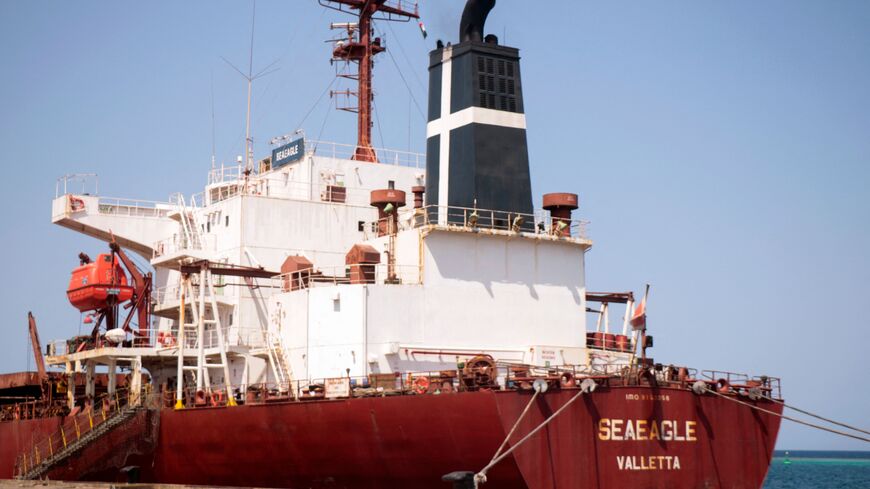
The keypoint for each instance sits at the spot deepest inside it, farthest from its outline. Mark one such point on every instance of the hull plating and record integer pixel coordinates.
(635, 437)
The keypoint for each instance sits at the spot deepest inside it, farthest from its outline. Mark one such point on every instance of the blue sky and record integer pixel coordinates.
(721, 151)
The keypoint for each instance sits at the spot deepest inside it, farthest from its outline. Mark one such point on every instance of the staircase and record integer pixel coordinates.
(282, 368)
(44, 466)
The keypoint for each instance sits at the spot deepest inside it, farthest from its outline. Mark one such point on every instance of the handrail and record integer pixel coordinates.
(539, 223)
(179, 242)
(84, 179)
(386, 156)
(508, 376)
(360, 274)
(76, 426)
(131, 207)
(254, 337)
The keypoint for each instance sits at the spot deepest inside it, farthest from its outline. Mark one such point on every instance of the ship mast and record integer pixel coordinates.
(361, 50)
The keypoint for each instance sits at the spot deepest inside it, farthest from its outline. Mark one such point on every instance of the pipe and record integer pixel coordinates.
(473, 20)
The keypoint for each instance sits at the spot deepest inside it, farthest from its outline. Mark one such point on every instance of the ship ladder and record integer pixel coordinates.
(206, 301)
(192, 237)
(280, 365)
(39, 466)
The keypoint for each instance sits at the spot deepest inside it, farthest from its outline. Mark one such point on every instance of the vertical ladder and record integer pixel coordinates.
(192, 237)
(205, 302)
(278, 361)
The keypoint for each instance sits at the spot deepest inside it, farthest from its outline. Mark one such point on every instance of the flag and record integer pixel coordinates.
(638, 319)
(423, 30)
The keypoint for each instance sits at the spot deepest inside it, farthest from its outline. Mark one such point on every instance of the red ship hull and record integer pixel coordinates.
(411, 441)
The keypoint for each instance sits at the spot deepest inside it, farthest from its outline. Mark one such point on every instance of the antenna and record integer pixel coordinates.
(250, 77)
(359, 47)
(212, 123)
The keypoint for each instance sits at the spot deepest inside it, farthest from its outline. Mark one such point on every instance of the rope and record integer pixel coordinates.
(408, 87)
(514, 428)
(795, 420)
(316, 103)
(407, 59)
(481, 476)
(844, 425)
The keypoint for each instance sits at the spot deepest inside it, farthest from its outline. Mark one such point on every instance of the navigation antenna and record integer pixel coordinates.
(360, 48)
(212, 124)
(250, 77)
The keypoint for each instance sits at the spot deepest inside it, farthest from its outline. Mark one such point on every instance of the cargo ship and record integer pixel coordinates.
(341, 316)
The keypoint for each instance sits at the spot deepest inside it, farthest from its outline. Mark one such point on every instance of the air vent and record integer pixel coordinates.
(496, 84)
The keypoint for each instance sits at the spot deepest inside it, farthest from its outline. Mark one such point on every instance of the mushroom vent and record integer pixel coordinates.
(560, 206)
(382, 198)
(418, 192)
(295, 273)
(362, 262)
(388, 202)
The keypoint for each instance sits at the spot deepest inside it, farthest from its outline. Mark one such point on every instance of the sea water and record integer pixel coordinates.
(802, 469)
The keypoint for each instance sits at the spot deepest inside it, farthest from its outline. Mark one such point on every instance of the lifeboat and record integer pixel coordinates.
(99, 284)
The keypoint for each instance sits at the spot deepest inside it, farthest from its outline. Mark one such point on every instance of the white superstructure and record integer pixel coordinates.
(440, 294)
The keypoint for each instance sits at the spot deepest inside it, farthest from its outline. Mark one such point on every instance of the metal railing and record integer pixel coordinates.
(739, 381)
(370, 274)
(346, 152)
(226, 173)
(272, 185)
(180, 242)
(78, 425)
(132, 207)
(254, 337)
(503, 376)
(236, 172)
(540, 223)
(172, 293)
(79, 183)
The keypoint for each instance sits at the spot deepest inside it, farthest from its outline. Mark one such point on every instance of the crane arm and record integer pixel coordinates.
(37, 347)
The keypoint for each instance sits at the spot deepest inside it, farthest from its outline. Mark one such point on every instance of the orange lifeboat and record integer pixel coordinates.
(99, 284)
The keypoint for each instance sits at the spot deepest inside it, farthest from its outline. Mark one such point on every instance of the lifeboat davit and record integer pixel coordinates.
(99, 284)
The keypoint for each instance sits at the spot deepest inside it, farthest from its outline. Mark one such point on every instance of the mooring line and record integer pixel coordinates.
(480, 477)
(795, 420)
(844, 425)
(516, 424)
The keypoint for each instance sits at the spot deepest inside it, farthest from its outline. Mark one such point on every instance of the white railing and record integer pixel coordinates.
(179, 243)
(177, 199)
(276, 186)
(346, 152)
(540, 223)
(371, 274)
(77, 183)
(233, 336)
(131, 207)
(236, 172)
(254, 337)
(172, 293)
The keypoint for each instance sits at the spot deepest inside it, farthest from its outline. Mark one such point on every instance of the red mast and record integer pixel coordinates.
(362, 50)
